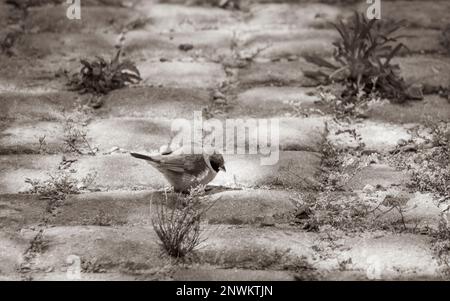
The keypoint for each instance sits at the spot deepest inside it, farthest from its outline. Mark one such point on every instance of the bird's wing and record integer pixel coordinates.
(191, 163)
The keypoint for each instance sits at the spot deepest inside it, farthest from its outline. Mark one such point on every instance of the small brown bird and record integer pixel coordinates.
(186, 171)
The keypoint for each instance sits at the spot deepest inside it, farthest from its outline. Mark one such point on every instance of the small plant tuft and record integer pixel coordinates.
(178, 228)
(100, 77)
(59, 185)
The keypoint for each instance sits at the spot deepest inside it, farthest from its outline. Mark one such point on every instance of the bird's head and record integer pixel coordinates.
(217, 162)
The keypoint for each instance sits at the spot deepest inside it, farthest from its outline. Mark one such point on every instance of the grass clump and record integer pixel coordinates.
(178, 228)
(59, 185)
(363, 56)
(100, 77)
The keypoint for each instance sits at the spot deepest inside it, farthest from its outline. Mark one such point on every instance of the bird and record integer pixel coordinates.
(186, 171)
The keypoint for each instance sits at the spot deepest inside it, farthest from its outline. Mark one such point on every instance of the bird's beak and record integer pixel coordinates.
(223, 168)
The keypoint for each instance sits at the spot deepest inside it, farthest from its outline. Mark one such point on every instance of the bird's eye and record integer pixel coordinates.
(215, 165)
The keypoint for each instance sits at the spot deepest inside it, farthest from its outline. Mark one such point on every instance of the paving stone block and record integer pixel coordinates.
(102, 18)
(152, 102)
(20, 74)
(247, 247)
(182, 74)
(250, 207)
(270, 101)
(287, 42)
(420, 40)
(419, 210)
(63, 47)
(432, 107)
(276, 74)
(302, 15)
(292, 134)
(383, 256)
(16, 168)
(430, 70)
(425, 209)
(21, 137)
(113, 208)
(12, 248)
(211, 44)
(36, 106)
(106, 248)
(166, 17)
(120, 172)
(305, 134)
(378, 174)
(376, 136)
(133, 134)
(294, 169)
(20, 211)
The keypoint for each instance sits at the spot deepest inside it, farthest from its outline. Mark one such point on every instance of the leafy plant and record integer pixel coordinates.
(364, 55)
(100, 77)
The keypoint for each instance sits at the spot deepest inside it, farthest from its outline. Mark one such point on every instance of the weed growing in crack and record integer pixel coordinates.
(218, 104)
(329, 210)
(92, 266)
(42, 144)
(363, 58)
(75, 138)
(179, 228)
(342, 108)
(349, 213)
(338, 208)
(339, 166)
(241, 57)
(60, 184)
(100, 77)
(427, 161)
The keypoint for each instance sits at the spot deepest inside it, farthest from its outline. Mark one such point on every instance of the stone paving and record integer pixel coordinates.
(251, 230)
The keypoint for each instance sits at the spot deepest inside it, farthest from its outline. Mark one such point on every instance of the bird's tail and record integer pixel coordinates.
(143, 157)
